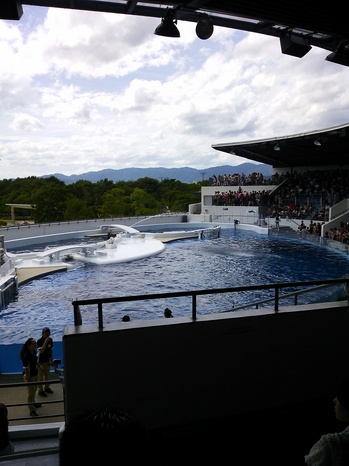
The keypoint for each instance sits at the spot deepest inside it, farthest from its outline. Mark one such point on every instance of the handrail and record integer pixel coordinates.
(287, 295)
(195, 293)
(29, 454)
(59, 371)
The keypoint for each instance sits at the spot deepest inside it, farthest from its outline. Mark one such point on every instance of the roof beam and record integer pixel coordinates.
(11, 9)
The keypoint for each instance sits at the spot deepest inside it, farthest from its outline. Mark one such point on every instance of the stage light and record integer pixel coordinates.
(204, 27)
(340, 55)
(167, 27)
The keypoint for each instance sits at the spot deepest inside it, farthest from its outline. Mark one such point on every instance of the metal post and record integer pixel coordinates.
(193, 315)
(77, 315)
(276, 299)
(100, 316)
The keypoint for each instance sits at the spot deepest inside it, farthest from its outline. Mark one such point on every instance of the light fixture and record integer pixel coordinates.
(277, 147)
(204, 27)
(294, 45)
(340, 55)
(168, 27)
(318, 142)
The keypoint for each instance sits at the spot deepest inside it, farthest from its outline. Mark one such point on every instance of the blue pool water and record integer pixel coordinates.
(237, 258)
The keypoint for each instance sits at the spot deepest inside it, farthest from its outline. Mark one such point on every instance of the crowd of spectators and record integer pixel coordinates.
(307, 195)
(240, 198)
(237, 179)
(339, 234)
(312, 229)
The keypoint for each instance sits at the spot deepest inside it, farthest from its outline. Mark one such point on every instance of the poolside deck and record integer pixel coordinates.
(15, 398)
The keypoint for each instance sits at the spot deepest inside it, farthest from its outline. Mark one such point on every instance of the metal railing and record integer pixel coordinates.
(277, 287)
(16, 405)
(293, 295)
(59, 371)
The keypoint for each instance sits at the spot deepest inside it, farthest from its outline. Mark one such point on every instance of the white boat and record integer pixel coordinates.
(32, 265)
(128, 245)
(174, 235)
(163, 236)
(121, 248)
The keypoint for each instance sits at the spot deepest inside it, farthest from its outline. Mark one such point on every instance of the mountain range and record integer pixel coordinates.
(185, 174)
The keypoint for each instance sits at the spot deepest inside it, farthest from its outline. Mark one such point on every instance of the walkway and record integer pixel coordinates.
(35, 439)
(276, 436)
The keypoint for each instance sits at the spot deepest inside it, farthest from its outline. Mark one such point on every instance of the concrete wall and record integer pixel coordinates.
(25, 235)
(171, 371)
(228, 214)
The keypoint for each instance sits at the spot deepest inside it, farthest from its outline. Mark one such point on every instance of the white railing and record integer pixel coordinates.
(7, 268)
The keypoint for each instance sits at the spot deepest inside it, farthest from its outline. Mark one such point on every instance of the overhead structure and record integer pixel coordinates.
(299, 25)
(19, 206)
(326, 147)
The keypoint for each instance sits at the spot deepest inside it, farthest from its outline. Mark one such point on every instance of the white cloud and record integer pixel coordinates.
(26, 123)
(84, 91)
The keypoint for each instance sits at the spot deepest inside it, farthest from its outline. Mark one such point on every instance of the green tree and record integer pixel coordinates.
(116, 204)
(76, 209)
(57, 201)
(51, 201)
(143, 203)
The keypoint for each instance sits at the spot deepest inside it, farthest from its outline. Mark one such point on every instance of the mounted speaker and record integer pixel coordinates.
(295, 46)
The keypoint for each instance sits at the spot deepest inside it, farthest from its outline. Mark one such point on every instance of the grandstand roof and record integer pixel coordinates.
(302, 23)
(317, 148)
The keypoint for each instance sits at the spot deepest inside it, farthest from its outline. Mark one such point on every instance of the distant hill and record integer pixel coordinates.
(185, 174)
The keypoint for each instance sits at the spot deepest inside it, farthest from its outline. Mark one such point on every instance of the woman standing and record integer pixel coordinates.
(30, 371)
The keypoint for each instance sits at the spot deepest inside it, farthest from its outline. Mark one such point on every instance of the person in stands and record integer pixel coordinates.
(45, 356)
(168, 313)
(332, 449)
(6, 446)
(277, 222)
(30, 372)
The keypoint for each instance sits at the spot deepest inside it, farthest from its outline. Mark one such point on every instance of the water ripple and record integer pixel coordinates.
(237, 258)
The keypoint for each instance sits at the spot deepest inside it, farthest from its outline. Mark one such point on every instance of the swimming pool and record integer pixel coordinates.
(237, 258)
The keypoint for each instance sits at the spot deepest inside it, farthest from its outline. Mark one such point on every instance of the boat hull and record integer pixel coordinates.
(164, 236)
(126, 250)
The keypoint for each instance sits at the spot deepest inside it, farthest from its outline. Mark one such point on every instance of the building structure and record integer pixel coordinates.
(324, 149)
(297, 24)
(214, 383)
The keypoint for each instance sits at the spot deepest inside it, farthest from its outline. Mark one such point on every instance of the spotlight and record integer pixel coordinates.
(168, 27)
(296, 46)
(277, 147)
(204, 27)
(340, 55)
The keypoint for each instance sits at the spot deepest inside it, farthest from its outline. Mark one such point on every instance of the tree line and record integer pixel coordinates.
(57, 201)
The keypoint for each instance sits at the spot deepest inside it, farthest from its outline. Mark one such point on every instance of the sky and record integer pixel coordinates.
(85, 91)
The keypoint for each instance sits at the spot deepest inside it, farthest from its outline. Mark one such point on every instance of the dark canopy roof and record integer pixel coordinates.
(299, 24)
(324, 147)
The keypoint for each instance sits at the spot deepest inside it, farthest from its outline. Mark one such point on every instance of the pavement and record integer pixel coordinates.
(35, 439)
(14, 396)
